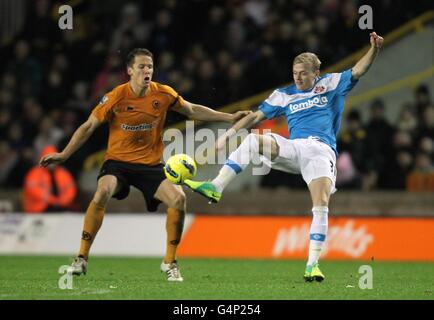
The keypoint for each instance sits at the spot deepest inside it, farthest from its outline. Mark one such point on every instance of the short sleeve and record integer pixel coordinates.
(273, 107)
(177, 100)
(346, 82)
(103, 110)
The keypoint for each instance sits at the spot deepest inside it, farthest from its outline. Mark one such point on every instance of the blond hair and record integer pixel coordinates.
(308, 58)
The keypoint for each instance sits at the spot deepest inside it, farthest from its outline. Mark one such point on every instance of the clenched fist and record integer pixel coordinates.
(376, 40)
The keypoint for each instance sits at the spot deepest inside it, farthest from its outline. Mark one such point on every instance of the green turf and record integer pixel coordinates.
(35, 277)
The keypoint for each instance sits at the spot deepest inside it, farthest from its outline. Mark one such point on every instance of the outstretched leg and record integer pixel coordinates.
(252, 146)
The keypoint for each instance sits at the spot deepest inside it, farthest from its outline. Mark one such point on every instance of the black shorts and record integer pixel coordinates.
(145, 178)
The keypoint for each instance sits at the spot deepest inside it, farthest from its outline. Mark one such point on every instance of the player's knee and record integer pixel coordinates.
(102, 195)
(267, 146)
(322, 199)
(179, 201)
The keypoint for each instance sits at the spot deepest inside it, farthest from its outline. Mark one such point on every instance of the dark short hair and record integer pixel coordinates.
(137, 52)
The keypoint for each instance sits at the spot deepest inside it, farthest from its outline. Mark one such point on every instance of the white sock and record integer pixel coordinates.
(237, 162)
(318, 233)
(226, 175)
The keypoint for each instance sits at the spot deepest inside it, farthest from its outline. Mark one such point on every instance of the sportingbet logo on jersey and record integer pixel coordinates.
(318, 101)
(140, 127)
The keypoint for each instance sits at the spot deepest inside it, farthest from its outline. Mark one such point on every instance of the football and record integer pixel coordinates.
(180, 167)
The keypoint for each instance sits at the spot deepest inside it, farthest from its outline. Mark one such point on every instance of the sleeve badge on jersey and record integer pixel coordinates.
(104, 99)
(318, 89)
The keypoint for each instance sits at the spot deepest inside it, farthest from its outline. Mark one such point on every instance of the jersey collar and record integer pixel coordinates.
(309, 89)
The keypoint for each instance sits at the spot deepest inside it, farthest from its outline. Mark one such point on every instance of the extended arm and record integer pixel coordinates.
(247, 122)
(80, 136)
(202, 113)
(362, 66)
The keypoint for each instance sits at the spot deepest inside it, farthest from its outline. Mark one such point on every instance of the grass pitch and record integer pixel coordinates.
(36, 277)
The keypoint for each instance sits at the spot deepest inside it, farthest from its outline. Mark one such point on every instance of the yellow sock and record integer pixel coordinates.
(174, 227)
(92, 222)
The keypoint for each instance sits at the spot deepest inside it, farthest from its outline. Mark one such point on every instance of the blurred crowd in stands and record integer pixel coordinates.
(211, 52)
(378, 154)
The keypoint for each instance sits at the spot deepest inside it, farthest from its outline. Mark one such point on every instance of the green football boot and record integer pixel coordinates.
(207, 189)
(313, 273)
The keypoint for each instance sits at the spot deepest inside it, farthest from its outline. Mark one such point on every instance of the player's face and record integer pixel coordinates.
(304, 76)
(141, 71)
